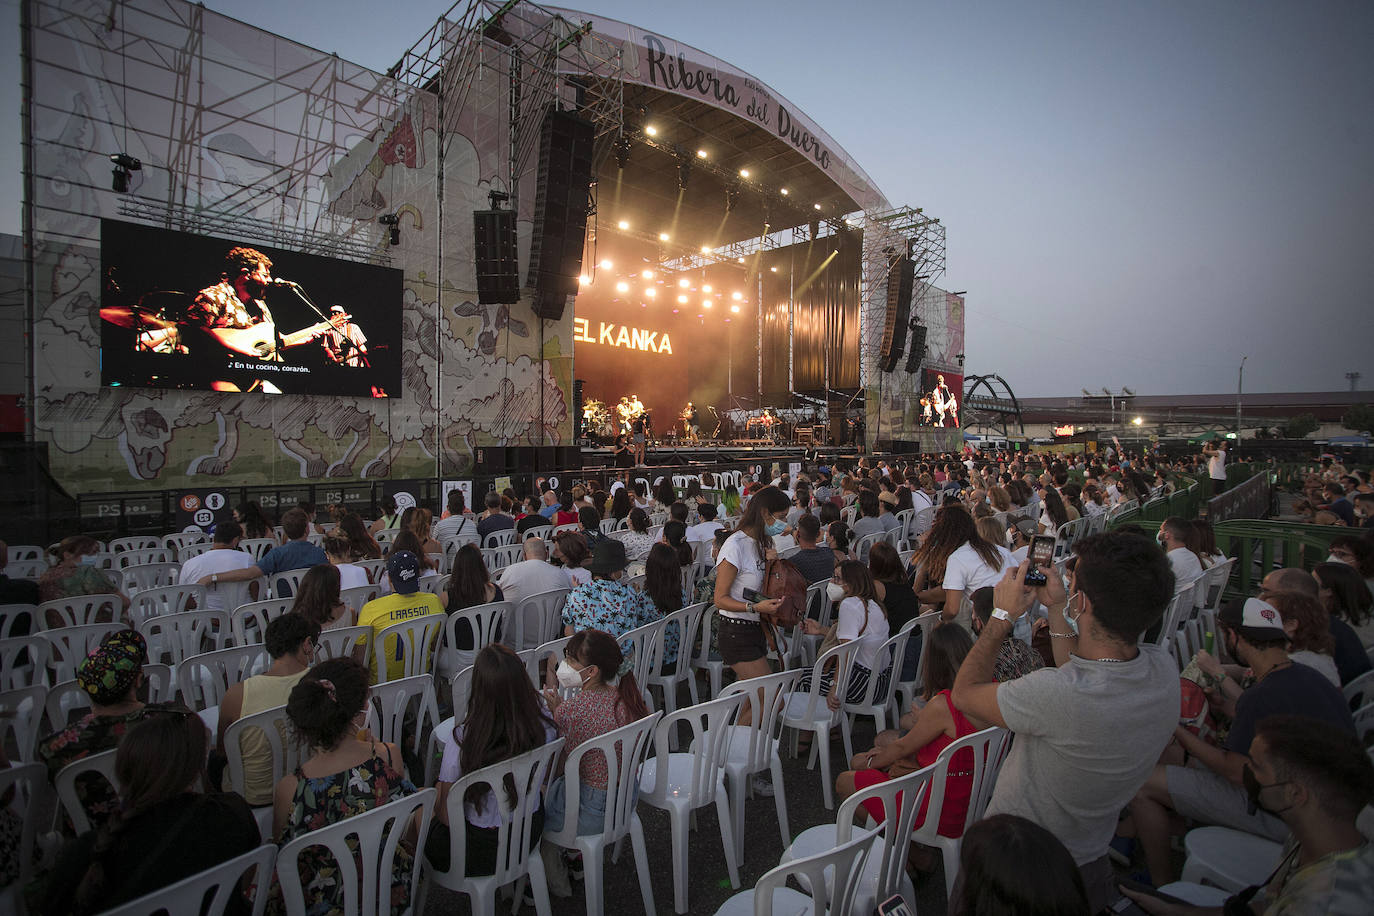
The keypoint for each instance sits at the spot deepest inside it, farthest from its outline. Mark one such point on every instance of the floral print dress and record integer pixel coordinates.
(325, 800)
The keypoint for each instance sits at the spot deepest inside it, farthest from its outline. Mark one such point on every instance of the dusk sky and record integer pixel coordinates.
(1135, 193)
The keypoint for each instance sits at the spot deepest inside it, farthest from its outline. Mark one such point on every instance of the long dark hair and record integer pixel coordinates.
(595, 647)
(365, 546)
(1350, 597)
(620, 503)
(1313, 623)
(664, 493)
(663, 578)
(639, 520)
(767, 499)
(1009, 866)
(572, 547)
(675, 535)
(318, 594)
(255, 524)
(467, 587)
(504, 718)
(1054, 507)
(324, 703)
(952, 529)
(947, 648)
(860, 581)
(885, 563)
(161, 757)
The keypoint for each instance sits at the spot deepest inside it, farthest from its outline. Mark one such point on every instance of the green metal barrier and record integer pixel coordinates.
(1241, 471)
(1262, 546)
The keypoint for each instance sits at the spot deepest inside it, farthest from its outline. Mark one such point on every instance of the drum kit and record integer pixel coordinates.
(596, 419)
(154, 331)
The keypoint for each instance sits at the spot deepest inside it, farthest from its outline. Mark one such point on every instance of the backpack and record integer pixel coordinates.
(782, 579)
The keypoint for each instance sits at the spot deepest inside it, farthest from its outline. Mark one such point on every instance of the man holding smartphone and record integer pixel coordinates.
(1089, 731)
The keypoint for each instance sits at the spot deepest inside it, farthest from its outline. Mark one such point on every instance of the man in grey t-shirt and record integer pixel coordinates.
(1088, 732)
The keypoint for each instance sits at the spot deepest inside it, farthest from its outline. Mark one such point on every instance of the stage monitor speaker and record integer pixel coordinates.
(496, 261)
(560, 210)
(916, 353)
(900, 279)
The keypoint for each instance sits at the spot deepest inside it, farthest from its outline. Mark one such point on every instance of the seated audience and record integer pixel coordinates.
(223, 556)
(608, 602)
(1015, 658)
(74, 573)
(340, 552)
(1010, 865)
(406, 602)
(815, 563)
(457, 521)
(638, 541)
(570, 551)
(860, 617)
(296, 553)
(1347, 601)
(1308, 626)
(493, 519)
(1177, 539)
(318, 600)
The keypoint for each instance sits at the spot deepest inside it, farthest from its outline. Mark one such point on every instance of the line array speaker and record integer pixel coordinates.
(900, 279)
(916, 354)
(560, 211)
(498, 270)
(578, 431)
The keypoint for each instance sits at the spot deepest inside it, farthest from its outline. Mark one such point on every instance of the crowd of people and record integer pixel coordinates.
(1105, 765)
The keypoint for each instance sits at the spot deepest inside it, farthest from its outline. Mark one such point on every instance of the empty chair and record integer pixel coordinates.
(268, 730)
(257, 546)
(834, 876)
(515, 786)
(19, 619)
(134, 542)
(65, 703)
(396, 704)
(341, 641)
(187, 896)
(286, 583)
(642, 644)
(79, 610)
(26, 569)
(142, 557)
(363, 869)
(359, 595)
(188, 551)
(500, 538)
(248, 622)
(27, 552)
(1229, 859)
(908, 689)
(69, 645)
(374, 568)
(623, 749)
(497, 558)
(236, 594)
(435, 585)
(167, 599)
(21, 721)
(181, 540)
(149, 575)
(680, 783)
(34, 651)
(688, 621)
(753, 748)
(537, 619)
(810, 712)
(547, 654)
(879, 699)
(204, 678)
(179, 636)
(477, 626)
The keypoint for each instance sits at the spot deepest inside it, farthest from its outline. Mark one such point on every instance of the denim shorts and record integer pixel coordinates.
(591, 808)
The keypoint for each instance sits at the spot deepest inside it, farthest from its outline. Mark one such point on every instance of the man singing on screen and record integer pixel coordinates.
(345, 343)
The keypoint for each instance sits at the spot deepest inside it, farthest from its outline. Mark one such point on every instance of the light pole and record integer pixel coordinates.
(1240, 378)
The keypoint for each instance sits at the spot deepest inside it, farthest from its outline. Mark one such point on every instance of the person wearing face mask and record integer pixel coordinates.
(75, 572)
(861, 617)
(740, 566)
(1315, 778)
(1089, 730)
(345, 774)
(607, 698)
(1176, 539)
(1212, 791)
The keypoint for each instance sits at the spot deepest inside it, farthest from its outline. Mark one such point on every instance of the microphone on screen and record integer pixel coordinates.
(278, 281)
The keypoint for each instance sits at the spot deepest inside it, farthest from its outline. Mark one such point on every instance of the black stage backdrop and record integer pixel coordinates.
(811, 317)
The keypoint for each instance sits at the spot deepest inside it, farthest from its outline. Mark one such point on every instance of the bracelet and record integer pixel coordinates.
(1062, 635)
(868, 764)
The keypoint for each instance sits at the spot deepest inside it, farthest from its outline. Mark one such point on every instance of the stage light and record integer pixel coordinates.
(737, 295)
(584, 279)
(393, 223)
(623, 225)
(782, 191)
(741, 260)
(606, 264)
(663, 236)
(744, 173)
(1138, 421)
(648, 275)
(651, 130)
(705, 249)
(773, 269)
(735, 309)
(706, 288)
(650, 292)
(622, 152)
(701, 154)
(119, 175)
(817, 206)
(682, 299)
(684, 283)
(622, 287)
(706, 303)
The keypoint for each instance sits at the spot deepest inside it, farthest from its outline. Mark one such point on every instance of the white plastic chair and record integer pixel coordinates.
(101, 764)
(526, 774)
(12, 614)
(141, 557)
(26, 569)
(70, 645)
(484, 622)
(34, 671)
(359, 595)
(248, 622)
(365, 877)
(500, 538)
(62, 700)
(624, 750)
(176, 637)
(21, 721)
(256, 547)
(79, 611)
(641, 643)
(1360, 691)
(880, 704)
(204, 678)
(434, 585)
(908, 690)
(373, 568)
(149, 575)
(133, 542)
(237, 594)
(821, 609)
(551, 651)
(169, 599)
(286, 583)
(701, 659)
(498, 558)
(680, 783)
(390, 704)
(810, 712)
(989, 748)
(187, 896)
(188, 551)
(1196, 894)
(537, 619)
(412, 642)
(753, 748)
(287, 754)
(1230, 859)
(341, 641)
(688, 623)
(182, 539)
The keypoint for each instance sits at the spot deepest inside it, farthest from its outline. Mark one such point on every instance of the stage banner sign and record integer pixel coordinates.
(449, 486)
(203, 508)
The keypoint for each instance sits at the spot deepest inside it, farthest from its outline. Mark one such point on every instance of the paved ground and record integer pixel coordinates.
(709, 884)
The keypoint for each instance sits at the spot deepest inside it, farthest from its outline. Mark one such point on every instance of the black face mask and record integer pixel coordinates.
(1253, 788)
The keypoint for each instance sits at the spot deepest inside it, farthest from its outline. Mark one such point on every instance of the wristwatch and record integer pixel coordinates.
(748, 607)
(999, 614)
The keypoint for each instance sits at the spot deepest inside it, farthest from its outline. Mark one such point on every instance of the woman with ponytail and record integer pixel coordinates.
(607, 697)
(166, 829)
(348, 773)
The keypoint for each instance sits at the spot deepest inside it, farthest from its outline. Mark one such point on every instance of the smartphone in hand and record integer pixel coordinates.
(753, 597)
(1041, 554)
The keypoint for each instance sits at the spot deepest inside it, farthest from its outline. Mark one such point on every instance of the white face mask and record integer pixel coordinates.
(834, 591)
(568, 676)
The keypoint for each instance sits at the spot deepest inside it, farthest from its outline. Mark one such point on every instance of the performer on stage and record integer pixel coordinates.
(344, 343)
(692, 420)
(624, 414)
(637, 437)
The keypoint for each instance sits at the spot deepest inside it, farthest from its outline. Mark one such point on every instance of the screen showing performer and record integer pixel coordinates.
(940, 394)
(189, 311)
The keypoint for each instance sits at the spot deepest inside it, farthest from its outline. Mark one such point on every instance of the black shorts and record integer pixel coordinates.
(740, 640)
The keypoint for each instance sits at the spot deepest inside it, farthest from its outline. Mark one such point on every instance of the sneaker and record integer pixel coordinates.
(762, 786)
(574, 863)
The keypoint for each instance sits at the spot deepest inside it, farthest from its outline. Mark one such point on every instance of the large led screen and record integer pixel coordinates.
(190, 311)
(940, 395)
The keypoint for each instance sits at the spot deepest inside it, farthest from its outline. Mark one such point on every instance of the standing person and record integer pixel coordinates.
(296, 553)
(741, 565)
(638, 434)
(345, 775)
(166, 829)
(223, 556)
(406, 602)
(504, 718)
(1215, 453)
(623, 453)
(1089, 731)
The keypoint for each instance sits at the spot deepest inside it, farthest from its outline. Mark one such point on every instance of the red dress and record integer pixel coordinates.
(958, 784)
